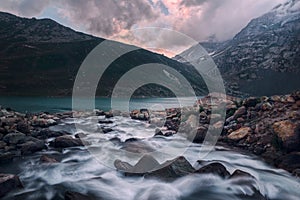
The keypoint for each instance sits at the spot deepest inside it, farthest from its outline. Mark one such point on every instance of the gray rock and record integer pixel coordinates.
(66, 141)
(239, 173)
(23, 127)
(9, 182)
(173, 169)
(14, 138)
(134, 145)
(240, 112)
(47, 159)
(105, 122)
(214, 168)
(147, 166)
(31, 147)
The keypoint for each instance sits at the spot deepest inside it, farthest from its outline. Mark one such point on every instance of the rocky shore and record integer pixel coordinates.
(266, 126)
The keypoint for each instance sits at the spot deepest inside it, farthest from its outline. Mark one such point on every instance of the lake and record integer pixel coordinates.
(61, 104)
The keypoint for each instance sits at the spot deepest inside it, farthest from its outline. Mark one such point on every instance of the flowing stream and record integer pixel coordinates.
(92, 173)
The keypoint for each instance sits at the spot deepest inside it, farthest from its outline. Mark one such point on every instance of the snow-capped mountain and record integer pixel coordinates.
(262, 55)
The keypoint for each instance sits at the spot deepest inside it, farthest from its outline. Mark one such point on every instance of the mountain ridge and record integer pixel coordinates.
(42, 57)
(267, 47)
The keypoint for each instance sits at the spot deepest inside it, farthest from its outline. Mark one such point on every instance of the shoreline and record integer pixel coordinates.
(267, 127)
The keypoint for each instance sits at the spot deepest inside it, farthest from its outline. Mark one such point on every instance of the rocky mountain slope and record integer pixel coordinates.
(262, 59)
(42, 57)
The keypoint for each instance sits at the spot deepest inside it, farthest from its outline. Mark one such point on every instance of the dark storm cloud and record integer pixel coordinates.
(108, 17)
(198, 19)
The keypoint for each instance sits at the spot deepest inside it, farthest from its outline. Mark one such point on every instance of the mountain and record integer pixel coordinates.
(42, 57)
(264, 57)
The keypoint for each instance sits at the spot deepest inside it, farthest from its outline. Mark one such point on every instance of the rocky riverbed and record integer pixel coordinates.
(267, 127)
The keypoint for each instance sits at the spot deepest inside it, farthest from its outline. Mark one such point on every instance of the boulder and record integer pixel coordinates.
(14, 138)
(123, 166)
(80, 135)
(214, 168)
(47, 159)
(43, 123)
(169, 134)
(173, 169)
(266, 106)
(66, 141)
(251, 102)
(32, 146)
(289, 162)
(289, 133)
(134, 145)
(106, 130)
(108, 115)
(9, 182)
(240, 134)
(240, 174)
(147, 166)
(158, 132)
(23, 127)
(105, 122)
(240, 112)
(46, 133)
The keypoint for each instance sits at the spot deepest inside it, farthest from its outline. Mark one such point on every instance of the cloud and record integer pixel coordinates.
(27, 8)
(107, 18)
(115, 19)
(200, 19)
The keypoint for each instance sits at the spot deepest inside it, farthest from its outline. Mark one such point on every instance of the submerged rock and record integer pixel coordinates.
(8, 182)
(214, 168)
(66, 141)
(134, 145)
(173, 169)
(105, 122)
(106, 130)
(239, 174)
(147, 166)
(47, 159)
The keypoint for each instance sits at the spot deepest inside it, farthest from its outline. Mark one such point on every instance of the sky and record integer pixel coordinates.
(200, 20)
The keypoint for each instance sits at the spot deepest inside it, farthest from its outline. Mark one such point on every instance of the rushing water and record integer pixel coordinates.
(90, 173)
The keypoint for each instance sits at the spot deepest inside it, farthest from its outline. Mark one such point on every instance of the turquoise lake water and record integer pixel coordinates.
(60, 104)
